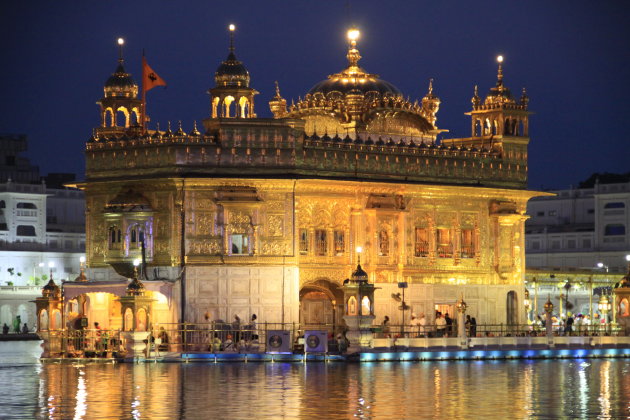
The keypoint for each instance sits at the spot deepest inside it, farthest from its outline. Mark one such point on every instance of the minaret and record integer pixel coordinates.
(231, 97)
(278, 104)
(120, 106)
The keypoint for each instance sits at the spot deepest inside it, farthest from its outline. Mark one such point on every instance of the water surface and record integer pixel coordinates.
(588, 389)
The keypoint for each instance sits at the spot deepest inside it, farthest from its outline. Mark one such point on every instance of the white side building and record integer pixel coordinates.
(578, 237)
(41, 229)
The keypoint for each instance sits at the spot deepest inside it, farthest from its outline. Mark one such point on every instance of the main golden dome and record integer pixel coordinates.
(360, 104)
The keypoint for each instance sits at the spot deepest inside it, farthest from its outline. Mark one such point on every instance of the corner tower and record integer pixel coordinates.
(120, 106)
(231, 97)
(500, 114)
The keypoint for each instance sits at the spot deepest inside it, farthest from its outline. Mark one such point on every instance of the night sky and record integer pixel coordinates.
(572, 56)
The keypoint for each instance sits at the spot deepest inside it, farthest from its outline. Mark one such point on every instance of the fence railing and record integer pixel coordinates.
(85, 343)
(225, 337)
(491, 330)
(215, 337)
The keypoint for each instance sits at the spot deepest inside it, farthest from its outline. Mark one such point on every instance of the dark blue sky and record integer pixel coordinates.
(573, 57)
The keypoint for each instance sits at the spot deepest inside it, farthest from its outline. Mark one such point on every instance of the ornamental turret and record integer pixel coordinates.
(120, 106)
(278, 105)
(231, 97)
(500, 114)
(430, 105)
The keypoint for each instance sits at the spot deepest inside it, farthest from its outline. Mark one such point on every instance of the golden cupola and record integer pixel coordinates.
(231, 97)
(500, 114)
(360, 105)
(278, 105)
(120, 105)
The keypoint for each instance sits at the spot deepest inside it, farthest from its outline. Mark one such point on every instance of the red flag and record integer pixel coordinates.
(150, 79)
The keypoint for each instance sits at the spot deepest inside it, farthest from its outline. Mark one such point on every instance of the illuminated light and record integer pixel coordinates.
(344, 80)
(136, 262)
(232, 27)
(51, 264)
(82, 259)
(600, 264)
(628, 257)
(353, 34)
(500, 59)
(359, 249)
(121, 41)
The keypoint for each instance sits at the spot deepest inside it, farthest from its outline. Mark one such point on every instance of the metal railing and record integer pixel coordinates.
(85, 343)
(491, 330)
(221, 337)
(226, 337)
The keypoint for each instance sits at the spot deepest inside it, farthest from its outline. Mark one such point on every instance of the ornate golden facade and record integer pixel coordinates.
(264, 215)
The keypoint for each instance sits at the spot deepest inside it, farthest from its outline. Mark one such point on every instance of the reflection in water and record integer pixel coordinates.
(508, 389)
(604, 389)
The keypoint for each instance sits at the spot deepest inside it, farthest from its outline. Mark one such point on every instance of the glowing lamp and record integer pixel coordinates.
(232, 27)
(82, 259)
(121, 41)
(600, 265)
(51, 264)
(353, 34)
(500, 59)
(359, 249)
(136, 262)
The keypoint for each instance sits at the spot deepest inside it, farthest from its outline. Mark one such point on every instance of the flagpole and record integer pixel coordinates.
(144, 96)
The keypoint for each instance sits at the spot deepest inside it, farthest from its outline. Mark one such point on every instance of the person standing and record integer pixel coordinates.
(473, 327)
(17, 323)
(236, 328)
(252, 326)
(422, 322)
(415, 326)
(449, 325)
(440, 325)
(385, 327)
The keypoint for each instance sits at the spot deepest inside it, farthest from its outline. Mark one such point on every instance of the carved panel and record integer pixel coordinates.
(275, 225)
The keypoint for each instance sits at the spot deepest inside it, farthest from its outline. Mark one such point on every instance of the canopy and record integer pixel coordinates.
(119, 288)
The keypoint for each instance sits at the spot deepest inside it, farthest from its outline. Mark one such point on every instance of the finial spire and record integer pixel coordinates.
(232, 28)
(277, 90)
(430, 86)
(353, 53)
(500, 71)
(121, 42)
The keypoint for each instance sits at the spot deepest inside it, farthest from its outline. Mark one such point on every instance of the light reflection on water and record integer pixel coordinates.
(474, 389)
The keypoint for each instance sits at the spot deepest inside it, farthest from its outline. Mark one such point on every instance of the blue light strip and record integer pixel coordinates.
(410, 355)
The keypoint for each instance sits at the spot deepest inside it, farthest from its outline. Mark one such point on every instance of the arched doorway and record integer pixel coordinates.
(321, 305)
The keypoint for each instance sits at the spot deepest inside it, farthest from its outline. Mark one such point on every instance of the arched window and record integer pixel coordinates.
(25, 230)
(122, 117)
(615, 230)
(114, 236)
(366, 306)
(26, 206)
(615, 205)
(136, 236)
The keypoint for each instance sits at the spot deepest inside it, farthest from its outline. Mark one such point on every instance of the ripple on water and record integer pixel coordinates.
(472, 389)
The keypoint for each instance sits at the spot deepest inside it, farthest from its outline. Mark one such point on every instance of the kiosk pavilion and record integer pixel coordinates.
(264, 215)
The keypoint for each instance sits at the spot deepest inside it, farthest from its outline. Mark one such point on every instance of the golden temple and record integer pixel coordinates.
(264, 215)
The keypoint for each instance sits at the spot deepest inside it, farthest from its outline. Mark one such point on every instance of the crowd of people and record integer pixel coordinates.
(18, 327)
(443, 326)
